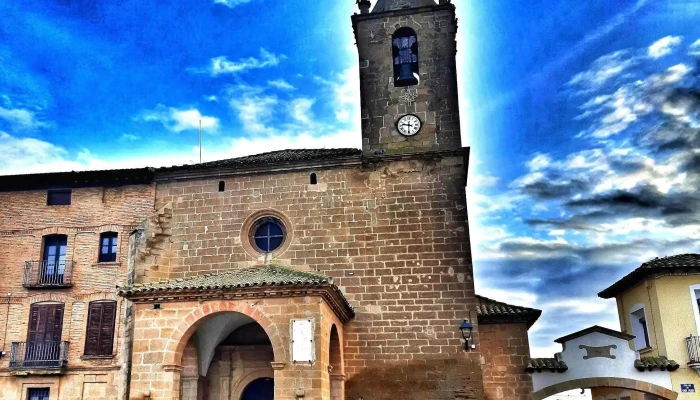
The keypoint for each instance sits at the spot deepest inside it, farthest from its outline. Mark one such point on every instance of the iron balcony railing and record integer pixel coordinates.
(39, 355)
(48, 274)
(693, 343)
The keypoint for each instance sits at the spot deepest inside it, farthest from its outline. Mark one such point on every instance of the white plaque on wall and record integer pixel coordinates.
(303, 340)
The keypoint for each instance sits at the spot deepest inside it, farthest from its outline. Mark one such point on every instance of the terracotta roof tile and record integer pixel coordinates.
(545, 364)
(652, 363)
(492, 311)
(680, 261)
(237, 278)
(273, 157)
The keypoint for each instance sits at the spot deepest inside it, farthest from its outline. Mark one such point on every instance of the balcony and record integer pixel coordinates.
(693, 344)
(38, 355)
(47, 274)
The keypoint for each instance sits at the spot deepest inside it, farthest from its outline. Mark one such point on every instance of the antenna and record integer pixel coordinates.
(200, 141)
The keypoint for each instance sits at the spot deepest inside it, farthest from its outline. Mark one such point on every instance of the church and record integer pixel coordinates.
(297, 274)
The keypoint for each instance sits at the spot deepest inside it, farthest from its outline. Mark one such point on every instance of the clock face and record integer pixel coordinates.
(409, 125)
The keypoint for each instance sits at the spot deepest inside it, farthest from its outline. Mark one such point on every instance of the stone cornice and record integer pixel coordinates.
(329, 293)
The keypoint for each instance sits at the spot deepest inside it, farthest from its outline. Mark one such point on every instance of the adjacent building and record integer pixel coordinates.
(297, 274)
(657, 303)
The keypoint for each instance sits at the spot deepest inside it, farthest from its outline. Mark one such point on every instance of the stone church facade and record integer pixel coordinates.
(298, 274)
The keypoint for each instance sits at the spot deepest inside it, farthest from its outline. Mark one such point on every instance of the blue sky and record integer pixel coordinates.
(581, 116)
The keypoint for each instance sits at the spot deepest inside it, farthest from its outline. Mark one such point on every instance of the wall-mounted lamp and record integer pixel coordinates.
(466, 328)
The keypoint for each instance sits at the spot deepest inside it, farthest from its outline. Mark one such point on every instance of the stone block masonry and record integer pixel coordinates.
(392, 234)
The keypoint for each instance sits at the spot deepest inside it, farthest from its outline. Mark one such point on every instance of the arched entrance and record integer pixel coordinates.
(647, 388)
(335, 366)
(259, 389)
(228, 357)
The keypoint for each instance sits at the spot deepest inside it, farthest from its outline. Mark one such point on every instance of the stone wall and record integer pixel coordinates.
(392, 234)
(505, 350)
(24, 220)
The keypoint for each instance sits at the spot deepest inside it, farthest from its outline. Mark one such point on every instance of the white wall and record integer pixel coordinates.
(621, 367)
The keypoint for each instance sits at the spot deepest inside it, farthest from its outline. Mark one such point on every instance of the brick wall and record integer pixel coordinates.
(393, 236)
(24, 220)
(505, 350)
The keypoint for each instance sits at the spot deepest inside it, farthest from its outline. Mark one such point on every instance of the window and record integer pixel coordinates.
(695, 298)
(640, 329)
(313, 179)
(108, 247)
(58, 197)
(38, 394)
(222, 186)
(99, 337)
(405, 53)
(268, 234)
(53, 265)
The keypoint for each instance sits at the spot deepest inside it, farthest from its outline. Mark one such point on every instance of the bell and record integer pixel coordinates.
(406, 72)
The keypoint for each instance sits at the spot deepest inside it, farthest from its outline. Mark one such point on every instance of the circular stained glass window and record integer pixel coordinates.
(268, 234)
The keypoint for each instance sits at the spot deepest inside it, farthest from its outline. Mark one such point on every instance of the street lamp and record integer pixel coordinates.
(466, 329)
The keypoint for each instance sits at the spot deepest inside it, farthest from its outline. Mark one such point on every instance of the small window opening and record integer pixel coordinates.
(156, 306)
(405, 54)
(58, 197)
(313, 179)
(222, 186)
(108, 247)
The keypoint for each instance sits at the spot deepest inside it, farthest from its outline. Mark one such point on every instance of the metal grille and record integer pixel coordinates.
(693, 343)
(39, 354)
(38, 394)
(48, 273)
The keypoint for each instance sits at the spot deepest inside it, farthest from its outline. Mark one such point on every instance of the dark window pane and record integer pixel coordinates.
(38, 394)
(105, 250)
(262, 244)
(275, 230)
(275, 243)
(108, 249)
(58, 197)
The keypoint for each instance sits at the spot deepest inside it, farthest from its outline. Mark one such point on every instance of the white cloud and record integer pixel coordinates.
(222, 65)
(128, 137)
(664, 46)
(587, 306)
(255, 112)
(603, 70)
(695, 48)
(178, 120)
(231, 3)
(20, 119)
(300, 109)
(538, 162)
(281, 84)
(675, 73)
(346, 95)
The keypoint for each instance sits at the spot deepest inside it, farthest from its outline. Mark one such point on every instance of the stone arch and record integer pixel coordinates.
(240, 386)
(335, 353)
(622, 383)
(188, 326)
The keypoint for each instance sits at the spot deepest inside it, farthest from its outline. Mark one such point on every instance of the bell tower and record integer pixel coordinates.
(408, 76)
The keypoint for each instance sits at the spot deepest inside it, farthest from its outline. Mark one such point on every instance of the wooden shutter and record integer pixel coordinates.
(100, 328)
(45, 323)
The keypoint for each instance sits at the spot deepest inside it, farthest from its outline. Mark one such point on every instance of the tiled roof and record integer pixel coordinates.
(545, 364)
(273, 157)
(492, 311)
(240, 279)
(652, 363)
(237, 278)
(76, 179)
(670, 263)
(594, 329)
